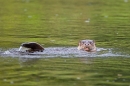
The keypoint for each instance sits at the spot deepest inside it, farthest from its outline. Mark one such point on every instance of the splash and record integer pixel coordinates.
(20, 48)
(62, 52)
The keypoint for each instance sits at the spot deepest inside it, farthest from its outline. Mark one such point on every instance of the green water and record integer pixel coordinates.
(62, 23)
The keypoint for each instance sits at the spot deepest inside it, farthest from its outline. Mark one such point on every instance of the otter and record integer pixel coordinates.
(87, 45)
(31, 47)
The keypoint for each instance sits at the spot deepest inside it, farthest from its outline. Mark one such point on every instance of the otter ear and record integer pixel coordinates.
(92, 42)
(81, 41)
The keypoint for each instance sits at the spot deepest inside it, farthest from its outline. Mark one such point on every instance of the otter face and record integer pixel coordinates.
(87, 45)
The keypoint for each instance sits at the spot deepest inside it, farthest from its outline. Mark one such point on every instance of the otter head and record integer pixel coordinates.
(27, 45)
(87, 45)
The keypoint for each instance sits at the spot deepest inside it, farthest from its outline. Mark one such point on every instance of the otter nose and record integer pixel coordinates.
(86, 44)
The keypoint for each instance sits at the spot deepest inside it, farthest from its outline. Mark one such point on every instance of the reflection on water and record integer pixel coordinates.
(63, 52)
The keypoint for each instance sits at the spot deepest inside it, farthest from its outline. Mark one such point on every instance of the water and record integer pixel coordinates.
(58, 25)
(20, 48)
(63, 52)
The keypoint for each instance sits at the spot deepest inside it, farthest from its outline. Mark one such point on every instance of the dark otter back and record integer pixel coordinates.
(33, 46)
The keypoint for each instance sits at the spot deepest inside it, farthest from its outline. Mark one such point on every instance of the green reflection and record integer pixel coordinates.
(64, 71)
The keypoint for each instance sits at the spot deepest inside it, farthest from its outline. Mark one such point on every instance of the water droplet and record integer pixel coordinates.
(52, 40)
(119, 75)
(27, 1)
(125, 0)
(106, 16)
(5, 80)
(87, 21)
(11, 82)
(25, 9)
(96, 73)
(29, 16)
(78, 78)
(107, 81)
(57, 15)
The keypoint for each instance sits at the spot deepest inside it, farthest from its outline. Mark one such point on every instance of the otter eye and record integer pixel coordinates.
(90, 42)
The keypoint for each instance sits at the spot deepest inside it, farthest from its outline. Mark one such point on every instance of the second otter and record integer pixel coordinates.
(87, 45)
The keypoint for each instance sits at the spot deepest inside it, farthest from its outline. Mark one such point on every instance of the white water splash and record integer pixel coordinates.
(62, 52)
(125, 0)
(20, 48)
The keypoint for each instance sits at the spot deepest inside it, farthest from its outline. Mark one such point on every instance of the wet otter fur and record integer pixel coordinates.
(31, 47)
(87, 45)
